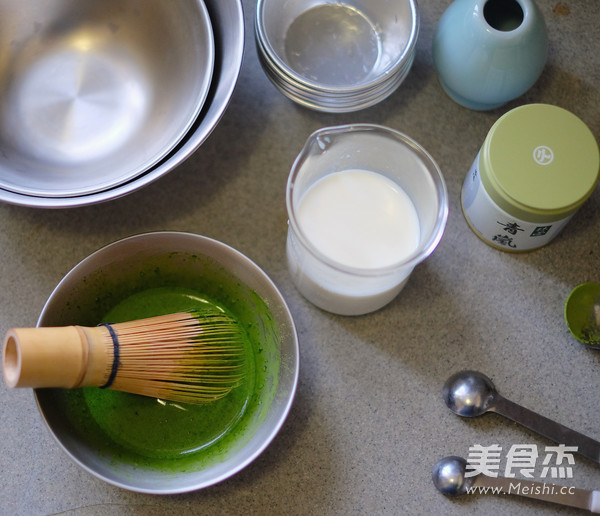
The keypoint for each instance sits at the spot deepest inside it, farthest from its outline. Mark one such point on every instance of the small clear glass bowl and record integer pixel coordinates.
(336, 57)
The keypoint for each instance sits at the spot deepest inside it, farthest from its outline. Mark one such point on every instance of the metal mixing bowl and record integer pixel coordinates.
(95, 92)
(228, 29)
(187, 260)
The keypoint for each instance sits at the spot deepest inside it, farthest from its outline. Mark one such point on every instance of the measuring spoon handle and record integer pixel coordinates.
(551, 429)
(562, 495)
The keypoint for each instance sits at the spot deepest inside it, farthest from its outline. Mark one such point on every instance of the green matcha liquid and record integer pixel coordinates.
(158, 428)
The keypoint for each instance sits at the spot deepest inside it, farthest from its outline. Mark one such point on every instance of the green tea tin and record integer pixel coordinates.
(538, 164)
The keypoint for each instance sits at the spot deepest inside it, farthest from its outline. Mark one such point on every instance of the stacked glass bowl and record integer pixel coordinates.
(336, 57)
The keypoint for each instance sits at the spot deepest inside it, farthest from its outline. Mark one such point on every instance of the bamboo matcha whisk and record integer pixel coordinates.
(188, 357)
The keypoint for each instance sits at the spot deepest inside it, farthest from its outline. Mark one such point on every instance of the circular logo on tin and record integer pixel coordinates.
(543, 155)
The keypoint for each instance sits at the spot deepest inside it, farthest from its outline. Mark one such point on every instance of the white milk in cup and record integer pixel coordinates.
(366, 204)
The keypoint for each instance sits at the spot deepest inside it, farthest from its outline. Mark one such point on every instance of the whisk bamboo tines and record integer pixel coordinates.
(188, 357)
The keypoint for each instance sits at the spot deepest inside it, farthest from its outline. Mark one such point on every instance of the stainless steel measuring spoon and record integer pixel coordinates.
(449, 477)
(471, 394)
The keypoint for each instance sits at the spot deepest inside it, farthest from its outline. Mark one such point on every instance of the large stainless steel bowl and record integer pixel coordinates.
(187, 260)
(96, 92)
(228, 32)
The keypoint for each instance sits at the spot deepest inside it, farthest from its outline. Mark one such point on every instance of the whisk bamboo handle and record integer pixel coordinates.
(70, 356)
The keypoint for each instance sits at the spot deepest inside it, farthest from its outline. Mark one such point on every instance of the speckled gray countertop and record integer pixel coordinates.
(368, 422)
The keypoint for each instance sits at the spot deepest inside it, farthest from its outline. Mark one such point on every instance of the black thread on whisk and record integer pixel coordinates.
(115, 364)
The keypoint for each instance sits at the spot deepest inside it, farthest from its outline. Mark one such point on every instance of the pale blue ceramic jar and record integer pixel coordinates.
(488, 52)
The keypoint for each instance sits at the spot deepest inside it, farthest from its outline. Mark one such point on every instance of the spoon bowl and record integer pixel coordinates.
(469, 393)
(448, 476)
(582, 314)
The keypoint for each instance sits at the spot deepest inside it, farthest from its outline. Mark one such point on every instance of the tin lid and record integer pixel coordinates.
(539, 162)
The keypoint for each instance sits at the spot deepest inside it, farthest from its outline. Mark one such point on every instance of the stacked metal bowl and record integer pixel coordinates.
(184, 260)
(101, 97)
(336, 56)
